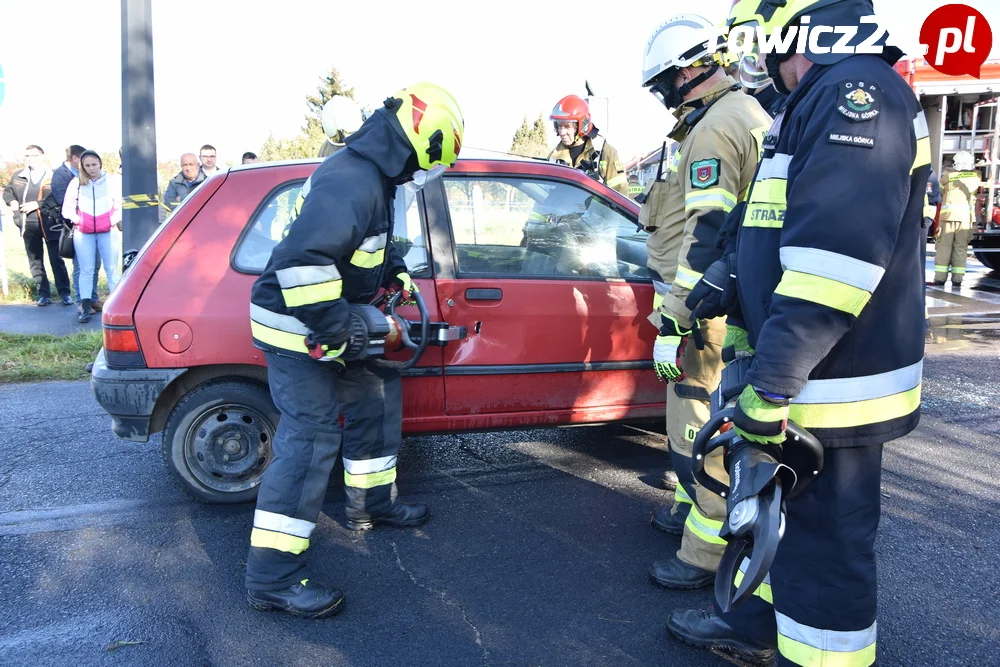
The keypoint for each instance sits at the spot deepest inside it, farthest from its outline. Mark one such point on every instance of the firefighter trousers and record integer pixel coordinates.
(311, 396)
(951, 250)
(819, 601)
(688, 409)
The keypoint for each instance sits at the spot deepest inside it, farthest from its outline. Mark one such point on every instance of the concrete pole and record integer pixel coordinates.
(140, 220)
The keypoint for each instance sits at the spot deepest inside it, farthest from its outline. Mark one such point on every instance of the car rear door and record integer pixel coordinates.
(549, 278)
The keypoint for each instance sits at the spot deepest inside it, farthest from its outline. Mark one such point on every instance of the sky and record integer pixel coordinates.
(229, 72)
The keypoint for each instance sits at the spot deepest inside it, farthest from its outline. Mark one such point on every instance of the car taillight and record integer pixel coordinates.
(121, 347)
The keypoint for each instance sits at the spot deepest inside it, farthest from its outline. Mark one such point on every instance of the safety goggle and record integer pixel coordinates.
(753, 67)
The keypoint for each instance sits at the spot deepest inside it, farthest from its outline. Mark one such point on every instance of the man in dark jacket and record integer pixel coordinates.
(336, 251)
(27, 194)
(834, 327)
(182, 185)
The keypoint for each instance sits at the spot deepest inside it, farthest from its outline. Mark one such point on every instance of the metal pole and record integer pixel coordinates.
(138, 124)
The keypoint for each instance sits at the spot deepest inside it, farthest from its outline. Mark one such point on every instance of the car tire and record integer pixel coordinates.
(990, 260)
(217, 440)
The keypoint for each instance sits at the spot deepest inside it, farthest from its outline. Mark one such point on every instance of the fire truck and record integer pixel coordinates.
(962, 115)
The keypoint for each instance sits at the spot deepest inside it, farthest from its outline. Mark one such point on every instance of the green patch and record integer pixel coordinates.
(36, 357)
(690, 432)
(705, 173)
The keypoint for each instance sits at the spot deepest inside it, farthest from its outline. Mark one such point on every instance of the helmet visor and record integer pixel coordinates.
(753, 69)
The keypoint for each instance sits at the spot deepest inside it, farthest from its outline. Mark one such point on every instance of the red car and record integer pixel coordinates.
(534, 278)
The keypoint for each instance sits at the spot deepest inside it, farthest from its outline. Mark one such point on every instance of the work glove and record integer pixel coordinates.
(668, 349)
(761, 416)
(402, 282)
(735, 345)
(715, 293)
(327, 347)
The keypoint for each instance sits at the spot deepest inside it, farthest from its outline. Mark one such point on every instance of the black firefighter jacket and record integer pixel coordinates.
(338, 246)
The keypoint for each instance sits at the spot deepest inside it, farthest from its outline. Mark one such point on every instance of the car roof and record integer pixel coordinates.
(468, 155)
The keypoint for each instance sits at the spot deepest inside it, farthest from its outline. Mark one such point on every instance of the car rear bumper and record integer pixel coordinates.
(129, 395)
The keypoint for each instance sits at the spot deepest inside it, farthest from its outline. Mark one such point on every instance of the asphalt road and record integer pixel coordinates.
(536, 554)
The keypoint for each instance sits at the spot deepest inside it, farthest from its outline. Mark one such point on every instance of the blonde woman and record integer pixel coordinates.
(93, 205)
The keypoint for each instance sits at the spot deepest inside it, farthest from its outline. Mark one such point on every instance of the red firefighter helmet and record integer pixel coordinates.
(574, 108)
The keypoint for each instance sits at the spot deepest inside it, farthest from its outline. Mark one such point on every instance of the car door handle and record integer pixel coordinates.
(483, 294)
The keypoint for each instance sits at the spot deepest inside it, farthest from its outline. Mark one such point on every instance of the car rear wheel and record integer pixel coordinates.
(217, 440)
(990, 260)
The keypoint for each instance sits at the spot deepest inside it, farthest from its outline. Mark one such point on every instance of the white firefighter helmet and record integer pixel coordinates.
(681, 41)
(341, 117)
(964, 161)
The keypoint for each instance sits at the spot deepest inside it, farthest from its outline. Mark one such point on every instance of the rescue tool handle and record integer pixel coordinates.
(425, 322)
(801, 451)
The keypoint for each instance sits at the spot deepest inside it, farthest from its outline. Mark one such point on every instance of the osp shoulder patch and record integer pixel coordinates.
(705, 173)
(852, 140)
(858, 101)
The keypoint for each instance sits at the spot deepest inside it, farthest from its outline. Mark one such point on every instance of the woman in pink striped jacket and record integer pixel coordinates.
(93, 205)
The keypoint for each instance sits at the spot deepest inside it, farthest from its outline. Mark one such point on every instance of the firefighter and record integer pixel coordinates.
(836, 327)
(577, 134)
(720, 135)
(341, 117)
(634, 187)
(959, 186)
(337, 251)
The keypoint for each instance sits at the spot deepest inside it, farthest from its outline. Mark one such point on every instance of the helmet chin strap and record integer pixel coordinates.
(676, 95)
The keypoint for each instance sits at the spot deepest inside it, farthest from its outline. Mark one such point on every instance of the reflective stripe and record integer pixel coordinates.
(267, 539)
(775, 166)
(862, 388)
(681, 494)
(675, 161)
(282, 523)
(373, 243)
(709, 198)
(370, 480)
(920, 126)
(277, 321)
(763, 591)
(771, 191)
(806, 645)
(832, 265)
(706, 529)
(310, 294)
(686, 278)
(280, 339)
(857, 413)
(923, 156)
(824, 291)
(958, 269)
(616, 181)
(657, 300)
(369, 465)
(297, 276)
(368, 260)
(940, 268)
(766, 215)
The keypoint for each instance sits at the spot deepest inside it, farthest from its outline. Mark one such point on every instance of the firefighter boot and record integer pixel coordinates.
(400, 516)
(671, 523)
(703, 629)
(675, 573)
(669, 480)
(305, 599)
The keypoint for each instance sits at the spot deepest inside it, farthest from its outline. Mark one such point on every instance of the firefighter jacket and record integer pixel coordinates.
(830, 268)
(609, 166)
(337, 249)
(721, 136)
(958, 196)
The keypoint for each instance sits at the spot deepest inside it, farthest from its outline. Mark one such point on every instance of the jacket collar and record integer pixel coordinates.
(683, 113)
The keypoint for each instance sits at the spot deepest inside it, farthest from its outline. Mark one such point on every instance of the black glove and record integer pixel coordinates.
(714, 294)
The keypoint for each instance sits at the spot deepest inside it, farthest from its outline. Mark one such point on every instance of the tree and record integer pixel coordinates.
(329, 86)
(110, 161)
(531, 140)
(311, 137)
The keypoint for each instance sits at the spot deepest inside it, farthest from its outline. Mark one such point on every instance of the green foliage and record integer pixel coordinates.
(311, 137)
(34, 357)
(110, 161)
(329, 86)
(531, 140)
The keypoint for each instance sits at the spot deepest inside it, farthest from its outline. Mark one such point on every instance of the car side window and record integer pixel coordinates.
(272, 220)
(533, 227)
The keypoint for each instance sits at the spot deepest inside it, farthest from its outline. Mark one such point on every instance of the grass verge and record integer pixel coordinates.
(35, 357)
